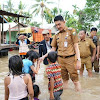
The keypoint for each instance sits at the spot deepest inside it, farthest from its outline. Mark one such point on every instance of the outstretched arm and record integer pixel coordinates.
(43, 57)
(36, 69)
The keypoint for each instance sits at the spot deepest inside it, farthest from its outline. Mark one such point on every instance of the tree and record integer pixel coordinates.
(82, 19)
(21, 11)
(35, 24)
(9, 8)
(41, 7)
(92, 9)
(49, 17)
(21, 7)
(27, 20)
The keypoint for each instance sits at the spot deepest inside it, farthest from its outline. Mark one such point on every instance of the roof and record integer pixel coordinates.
(15, 28)
(2, 12)
(1, 19)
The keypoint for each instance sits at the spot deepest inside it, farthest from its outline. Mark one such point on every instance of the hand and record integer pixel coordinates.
(92, 59)
(25, 37)
(97, 56)
(78, 64)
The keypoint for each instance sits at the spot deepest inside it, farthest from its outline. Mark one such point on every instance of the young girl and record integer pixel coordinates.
(29, 67)
(17, 83)
(36, 91)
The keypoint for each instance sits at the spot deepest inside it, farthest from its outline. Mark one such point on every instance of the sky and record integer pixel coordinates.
(65, 5)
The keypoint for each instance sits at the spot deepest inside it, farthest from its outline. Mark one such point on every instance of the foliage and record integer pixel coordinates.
(80, 19)
(92, 10)
(41, 8)
(0, 6)
(35, 24)
(9, 7)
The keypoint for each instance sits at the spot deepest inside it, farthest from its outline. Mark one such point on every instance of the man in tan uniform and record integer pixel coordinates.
(67, 42)
(96, 41)
(85, 45)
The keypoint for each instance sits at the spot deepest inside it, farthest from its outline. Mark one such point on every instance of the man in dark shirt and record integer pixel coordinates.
(45, 46)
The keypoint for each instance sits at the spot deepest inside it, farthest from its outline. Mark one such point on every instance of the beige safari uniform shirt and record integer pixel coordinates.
(68, 37)
(85, 47)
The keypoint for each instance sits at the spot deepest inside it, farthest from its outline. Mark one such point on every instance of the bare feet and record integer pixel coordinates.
(77, 86)
(65, 84)
(90, 73)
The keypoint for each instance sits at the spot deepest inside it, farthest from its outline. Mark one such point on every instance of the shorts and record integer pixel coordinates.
(57, 95)
(68, 68)
(87, 62)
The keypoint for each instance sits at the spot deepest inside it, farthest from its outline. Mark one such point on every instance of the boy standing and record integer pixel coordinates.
(55, 84)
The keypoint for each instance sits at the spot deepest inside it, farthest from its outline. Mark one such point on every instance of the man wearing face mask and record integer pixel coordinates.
(45, 46)
(96, 41)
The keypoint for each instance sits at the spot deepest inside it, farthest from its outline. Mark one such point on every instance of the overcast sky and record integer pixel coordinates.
(63, 4)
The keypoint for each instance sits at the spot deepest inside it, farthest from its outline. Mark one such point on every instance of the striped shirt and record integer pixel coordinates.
(54, 71)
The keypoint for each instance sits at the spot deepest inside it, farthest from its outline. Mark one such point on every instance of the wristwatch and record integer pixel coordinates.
(78, 59)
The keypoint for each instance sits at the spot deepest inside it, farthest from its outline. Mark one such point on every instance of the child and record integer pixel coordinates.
(29, 67)
(36, 92)
(17, 83)
(55, 84)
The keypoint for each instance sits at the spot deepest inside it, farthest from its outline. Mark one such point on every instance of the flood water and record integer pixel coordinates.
(90, 86)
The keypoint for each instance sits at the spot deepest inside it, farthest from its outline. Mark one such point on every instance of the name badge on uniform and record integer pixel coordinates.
(65, 44)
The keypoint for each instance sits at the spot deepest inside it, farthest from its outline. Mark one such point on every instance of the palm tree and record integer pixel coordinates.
(27, 20)
(49, 17)
(41, 7)
(21, 7)
(9, 6)
(35, 24)
(20, 10)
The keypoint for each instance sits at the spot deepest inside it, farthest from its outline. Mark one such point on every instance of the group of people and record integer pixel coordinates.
(89, 51)
(62, 56)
